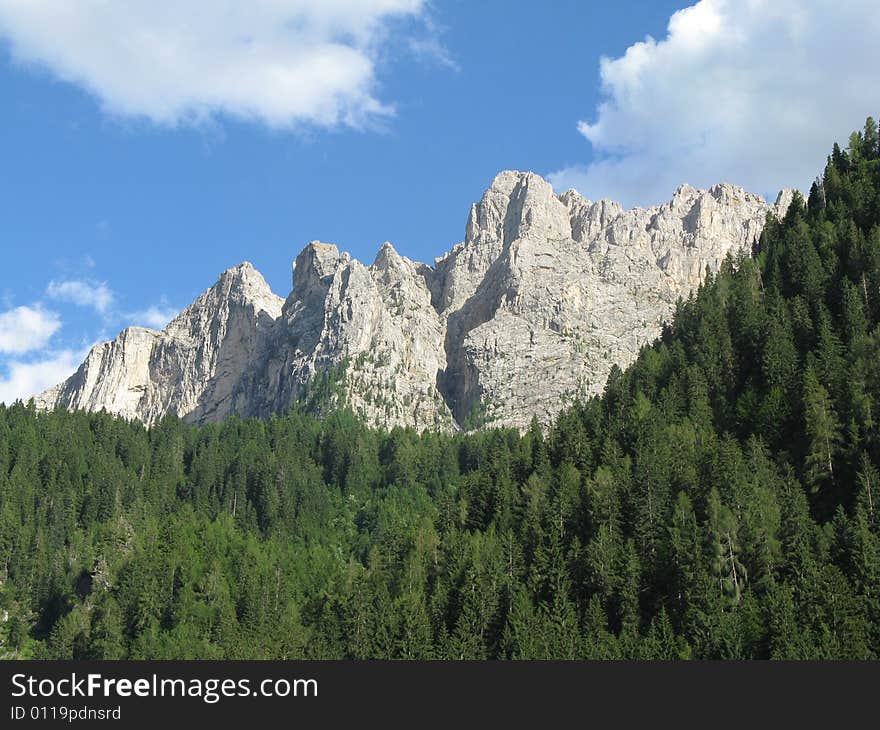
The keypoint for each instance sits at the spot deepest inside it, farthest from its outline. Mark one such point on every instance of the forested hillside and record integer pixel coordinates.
(719, 501)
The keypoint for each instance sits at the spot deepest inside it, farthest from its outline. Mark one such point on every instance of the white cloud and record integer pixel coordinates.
(25, 379)
(155, 316)
(82, 293)
(752, 92)
(280, 62)
(26, 328)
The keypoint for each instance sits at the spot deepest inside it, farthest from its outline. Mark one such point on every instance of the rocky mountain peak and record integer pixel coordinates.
(387, 258)
(240, 287)
(587, 218)
(244, 278)
(783, 201)
(246, 285)
(315, 264)
(683, 195)
(535, 212)
(516, 205)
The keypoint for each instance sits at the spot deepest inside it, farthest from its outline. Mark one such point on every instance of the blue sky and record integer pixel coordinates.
(144, 150)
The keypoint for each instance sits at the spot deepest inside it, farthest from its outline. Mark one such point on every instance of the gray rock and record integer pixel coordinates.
(545, 294)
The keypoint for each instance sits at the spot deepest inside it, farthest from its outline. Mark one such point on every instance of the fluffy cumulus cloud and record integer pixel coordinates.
(280, 62)
(25, 379)
(24, 329)
(96, 295)
(752, 92)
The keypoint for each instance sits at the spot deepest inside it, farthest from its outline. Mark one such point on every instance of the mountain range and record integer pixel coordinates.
(532, 310)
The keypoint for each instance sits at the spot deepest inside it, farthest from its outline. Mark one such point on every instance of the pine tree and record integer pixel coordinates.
(725, 550)
(869, 492)
(822, 429)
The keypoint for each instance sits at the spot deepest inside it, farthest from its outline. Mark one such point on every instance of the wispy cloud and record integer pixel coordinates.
(282, 63)
(752, 93)
(24, 329)
(432, 49)
(96, 295)
(155, 316)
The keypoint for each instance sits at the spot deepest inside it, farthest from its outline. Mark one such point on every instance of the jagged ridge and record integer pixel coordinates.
(533, 308)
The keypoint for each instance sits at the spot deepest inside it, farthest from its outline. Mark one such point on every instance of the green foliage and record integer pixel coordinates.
(721, 500)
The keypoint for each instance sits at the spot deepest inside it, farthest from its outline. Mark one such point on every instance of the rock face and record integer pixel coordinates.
(373, 326)
(190, 368)
(547, 293)
(531, 310)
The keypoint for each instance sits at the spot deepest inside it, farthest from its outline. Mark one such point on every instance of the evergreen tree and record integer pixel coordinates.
(822, 429)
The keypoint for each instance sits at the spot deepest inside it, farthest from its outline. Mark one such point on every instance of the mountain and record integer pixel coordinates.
(717, 501)
(190, 368)
(545, 294)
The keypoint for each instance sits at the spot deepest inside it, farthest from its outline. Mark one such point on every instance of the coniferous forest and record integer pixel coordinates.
(721, 500)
